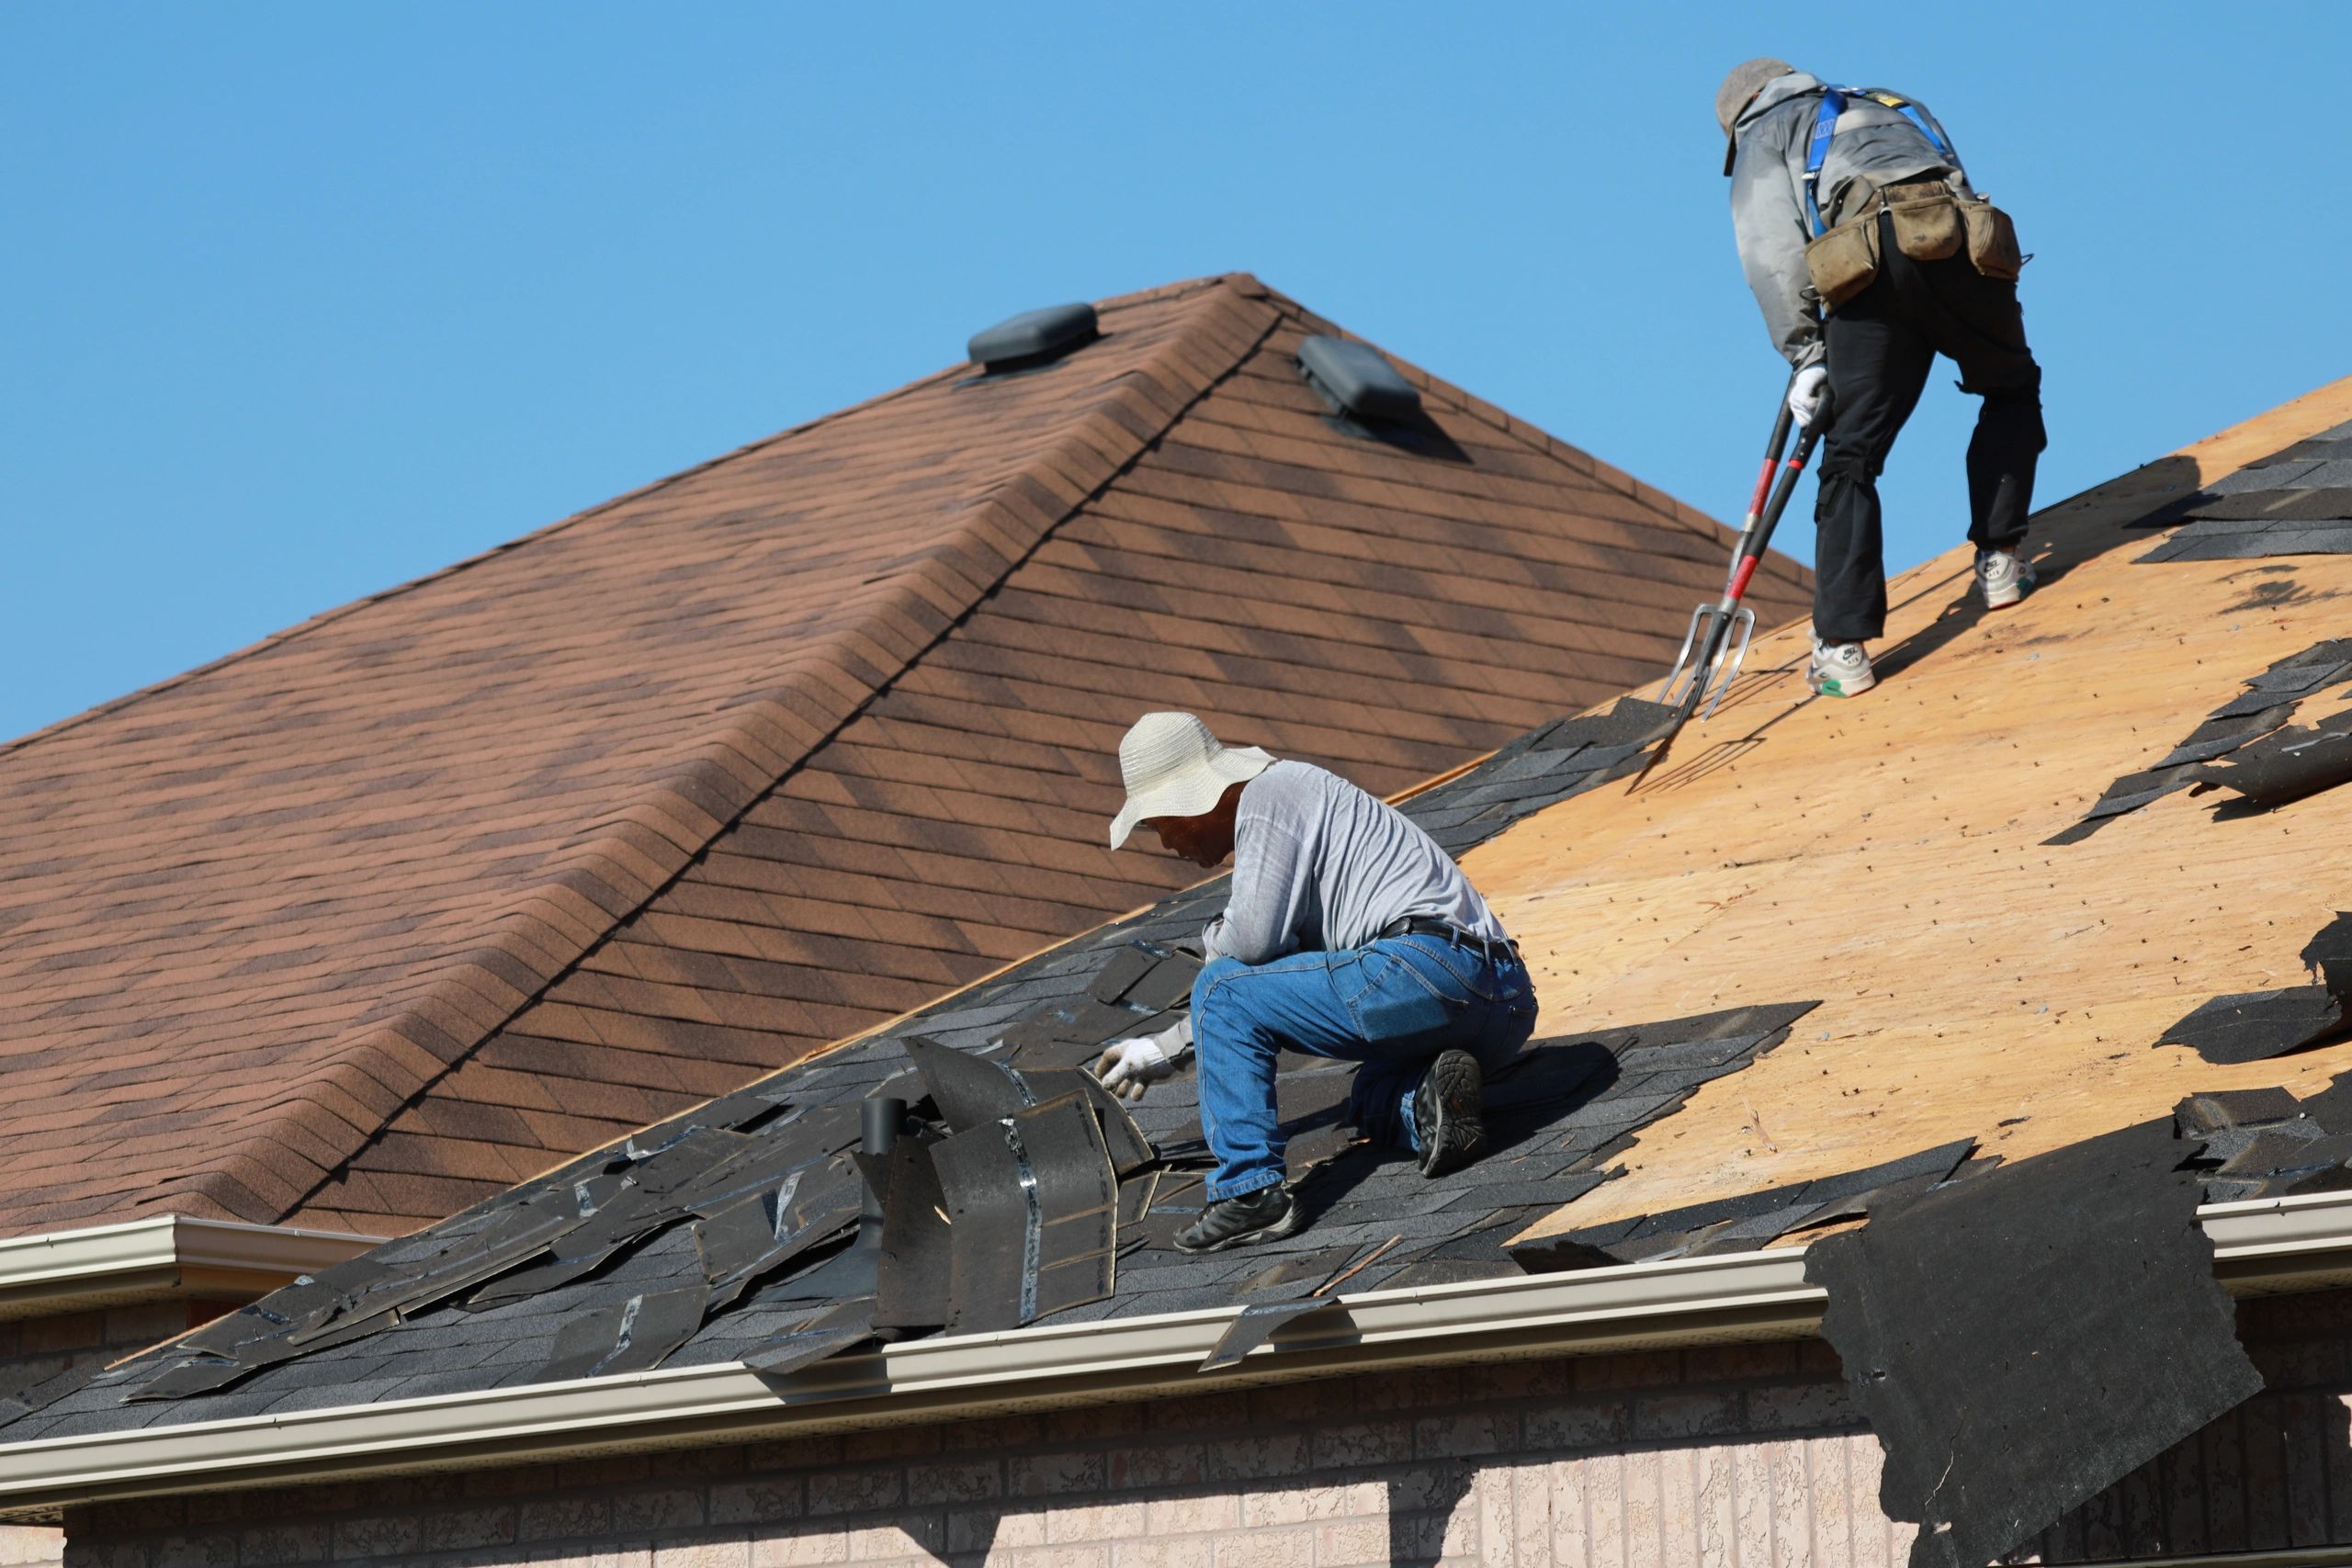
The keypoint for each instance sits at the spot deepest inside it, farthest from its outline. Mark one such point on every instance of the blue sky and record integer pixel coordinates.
(307, 300)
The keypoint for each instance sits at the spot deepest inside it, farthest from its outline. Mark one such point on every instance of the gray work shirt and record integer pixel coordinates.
(1875, 146)
(1319, 865)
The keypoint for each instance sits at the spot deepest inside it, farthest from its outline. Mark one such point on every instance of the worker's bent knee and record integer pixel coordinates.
(1214, 970)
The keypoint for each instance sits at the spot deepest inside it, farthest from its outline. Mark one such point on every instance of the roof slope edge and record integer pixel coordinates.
(638, 849)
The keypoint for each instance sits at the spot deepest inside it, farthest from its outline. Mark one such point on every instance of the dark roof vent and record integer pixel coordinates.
(1033, 338)
(1354, 379)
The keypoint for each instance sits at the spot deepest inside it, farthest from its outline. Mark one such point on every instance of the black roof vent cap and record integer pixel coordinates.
(1354, 379)
(1033, 337)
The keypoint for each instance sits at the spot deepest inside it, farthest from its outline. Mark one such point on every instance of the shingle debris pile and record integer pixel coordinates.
(2295, 502)
(2267, 761)
(1016, 1189)
(2024, 1339)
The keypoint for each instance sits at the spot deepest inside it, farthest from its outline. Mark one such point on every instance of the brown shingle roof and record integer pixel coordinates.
(404, 904)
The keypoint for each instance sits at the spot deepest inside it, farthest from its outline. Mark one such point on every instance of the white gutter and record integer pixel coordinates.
(150, 1259)
(2285, 1244)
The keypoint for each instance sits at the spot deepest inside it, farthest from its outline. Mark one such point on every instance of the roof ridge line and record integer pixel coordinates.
(336, 613)
(1534, 437)
(762, 740)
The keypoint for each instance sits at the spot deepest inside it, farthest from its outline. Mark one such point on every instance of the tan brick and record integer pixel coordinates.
(377, 1535)
(856, 1491)
(1041, 1475)
(461, 1530)
(799, 1548)
(763, 1500)
(1192, 1552)
(1686, 1412)
(1158, 1464)
(1072, 1522)
(1053, 1557)
(1256, 1456)
(903, 1541)
(1798, 1407)
(978, 1529)
(1475, 1432)
(1180, 1516)
(1349, 1542)
(1266, 1549)
(730, 1551)
(657, 1510)
(1361, 1443)
(291, 1541)
(1569, 1424)
(23, 1546)
(1304, 1504)
(954, 1482)
(564, 1517)
(1498, 1530)
(208, 1549)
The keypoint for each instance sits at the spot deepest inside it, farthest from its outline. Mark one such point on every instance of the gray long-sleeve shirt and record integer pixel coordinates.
(1874, 142)
(1320, 866)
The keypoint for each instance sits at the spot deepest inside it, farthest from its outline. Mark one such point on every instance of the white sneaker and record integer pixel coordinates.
(2003, 576)
(1839, 669)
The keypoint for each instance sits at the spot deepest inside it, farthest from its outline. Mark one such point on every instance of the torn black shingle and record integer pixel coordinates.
(1744, 1222)
(2253, 1026)
(2024, 1339)
(2270, 701)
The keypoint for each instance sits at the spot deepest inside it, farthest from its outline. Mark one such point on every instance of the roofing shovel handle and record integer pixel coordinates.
(1701, 671)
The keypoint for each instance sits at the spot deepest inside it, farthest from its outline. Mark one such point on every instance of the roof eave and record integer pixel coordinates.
(153, 1259)
(2294, 1244)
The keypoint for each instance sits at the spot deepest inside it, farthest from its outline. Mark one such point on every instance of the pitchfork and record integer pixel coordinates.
(1716, 645)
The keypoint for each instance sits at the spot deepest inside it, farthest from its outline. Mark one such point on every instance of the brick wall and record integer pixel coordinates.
(1744, 1456)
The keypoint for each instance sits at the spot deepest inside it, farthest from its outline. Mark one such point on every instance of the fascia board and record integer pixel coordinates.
(151, 1258)
(2283, 1244)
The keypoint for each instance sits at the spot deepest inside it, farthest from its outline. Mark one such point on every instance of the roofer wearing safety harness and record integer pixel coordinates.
(1348, 935)
(1871, 254)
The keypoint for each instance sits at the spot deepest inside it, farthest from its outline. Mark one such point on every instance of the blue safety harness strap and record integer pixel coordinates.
(1824, 130)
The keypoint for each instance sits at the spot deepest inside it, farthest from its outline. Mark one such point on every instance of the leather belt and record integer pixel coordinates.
(1423, 925)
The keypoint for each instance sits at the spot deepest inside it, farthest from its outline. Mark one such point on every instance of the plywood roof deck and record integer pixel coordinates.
(1885, 855)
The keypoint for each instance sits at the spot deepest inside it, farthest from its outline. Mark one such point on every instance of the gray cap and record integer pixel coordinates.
(1744, 83)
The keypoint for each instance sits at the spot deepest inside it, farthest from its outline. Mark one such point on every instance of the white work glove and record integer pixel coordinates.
(1131, 1065)
(1806, 390)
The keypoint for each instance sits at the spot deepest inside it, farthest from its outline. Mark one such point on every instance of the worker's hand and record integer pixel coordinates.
(1806, 392)
(1129, 1066)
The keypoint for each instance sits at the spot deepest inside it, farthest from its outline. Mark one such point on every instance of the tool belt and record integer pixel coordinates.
(1423, 925)
(1930, 223)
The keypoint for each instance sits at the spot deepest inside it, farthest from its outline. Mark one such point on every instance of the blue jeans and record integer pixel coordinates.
(1392, 1006)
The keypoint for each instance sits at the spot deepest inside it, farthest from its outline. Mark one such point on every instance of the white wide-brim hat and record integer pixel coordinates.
(1175, 767)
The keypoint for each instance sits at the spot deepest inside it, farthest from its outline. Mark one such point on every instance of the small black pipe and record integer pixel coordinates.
(878, 1123)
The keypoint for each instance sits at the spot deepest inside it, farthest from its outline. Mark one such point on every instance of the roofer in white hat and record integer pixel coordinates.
(1348, 935)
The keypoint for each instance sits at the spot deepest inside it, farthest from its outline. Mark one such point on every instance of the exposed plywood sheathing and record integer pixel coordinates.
(1885, 855)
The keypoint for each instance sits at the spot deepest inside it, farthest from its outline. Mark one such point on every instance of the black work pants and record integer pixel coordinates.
(1882, 344)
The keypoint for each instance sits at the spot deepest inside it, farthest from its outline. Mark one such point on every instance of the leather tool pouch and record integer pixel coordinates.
(1927, 229)
(1843, 261)
(1992, 241)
